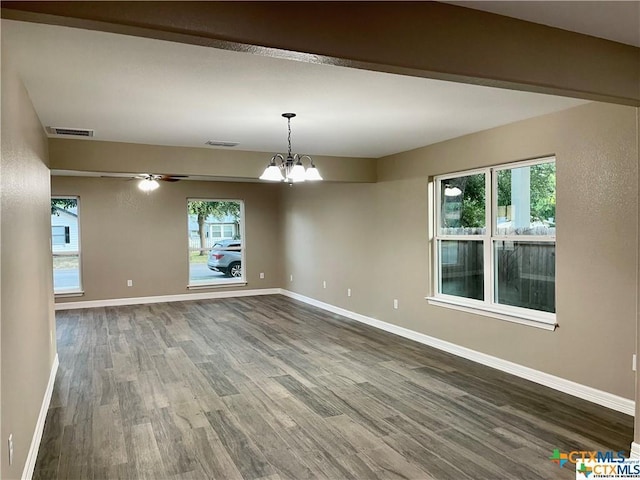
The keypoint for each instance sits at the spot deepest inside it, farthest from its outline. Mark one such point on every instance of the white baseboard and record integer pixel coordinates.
(635, 451)
(30, 464)
(584, 392)
(184, 297)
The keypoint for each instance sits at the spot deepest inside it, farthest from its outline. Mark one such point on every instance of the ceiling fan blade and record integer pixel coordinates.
(142, 176)
(172, 178)
(126, 179)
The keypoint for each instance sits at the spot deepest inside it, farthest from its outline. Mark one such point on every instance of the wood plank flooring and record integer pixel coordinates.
(270, 388)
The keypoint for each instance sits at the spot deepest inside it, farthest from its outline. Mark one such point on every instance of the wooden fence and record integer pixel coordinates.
(525, 272)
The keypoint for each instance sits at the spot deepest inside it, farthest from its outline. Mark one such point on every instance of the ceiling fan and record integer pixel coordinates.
(161, 178)
(149, 181)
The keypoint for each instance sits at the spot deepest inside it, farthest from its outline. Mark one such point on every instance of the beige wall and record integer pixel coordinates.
(127, 234)
(383, 253)
(26, 312)
(329, 235)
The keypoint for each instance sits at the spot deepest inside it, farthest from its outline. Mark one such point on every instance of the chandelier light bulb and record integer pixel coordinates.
(297, 173)
(272, 174)
(312, 174)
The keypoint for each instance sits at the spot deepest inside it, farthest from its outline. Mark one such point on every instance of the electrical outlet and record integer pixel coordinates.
(129, 283)
(261, 274)
(324, 284)
(11, 449)
(348, 292)
(291, 278)
(395, 303)
(634, 362)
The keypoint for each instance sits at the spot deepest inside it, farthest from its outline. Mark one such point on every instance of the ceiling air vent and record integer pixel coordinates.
(218, 143)
(74, 132)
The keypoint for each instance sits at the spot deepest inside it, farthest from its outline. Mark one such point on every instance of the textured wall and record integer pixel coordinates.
(384, 253)
(28, 339)
(330, 235)
(127, 234)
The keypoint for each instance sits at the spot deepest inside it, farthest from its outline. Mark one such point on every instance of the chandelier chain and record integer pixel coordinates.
(289, 136)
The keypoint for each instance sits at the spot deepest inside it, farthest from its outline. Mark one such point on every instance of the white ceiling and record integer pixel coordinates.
(139, 90)
(613, 20)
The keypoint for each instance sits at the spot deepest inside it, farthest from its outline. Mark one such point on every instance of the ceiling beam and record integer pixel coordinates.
(68, 156)
(425, 39)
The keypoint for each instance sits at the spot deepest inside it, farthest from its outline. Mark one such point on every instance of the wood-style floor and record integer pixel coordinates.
(270, 388)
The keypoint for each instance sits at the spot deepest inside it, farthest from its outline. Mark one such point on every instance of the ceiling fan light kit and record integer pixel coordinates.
(149, 183)
(291, 168)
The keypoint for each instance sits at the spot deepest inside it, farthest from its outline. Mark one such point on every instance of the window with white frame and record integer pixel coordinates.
(223, 231)
(495, 239)
(65, 245)
(215, 236)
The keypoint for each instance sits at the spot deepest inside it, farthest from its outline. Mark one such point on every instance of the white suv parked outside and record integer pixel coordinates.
(226, 257)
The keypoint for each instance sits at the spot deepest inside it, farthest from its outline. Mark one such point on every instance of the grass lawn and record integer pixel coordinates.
(195, 257)
(73, 262)
(66, 262)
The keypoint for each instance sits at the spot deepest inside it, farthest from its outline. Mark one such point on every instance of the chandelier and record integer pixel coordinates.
(290, 169)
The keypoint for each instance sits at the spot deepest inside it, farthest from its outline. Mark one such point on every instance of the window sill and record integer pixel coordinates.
(74, 293)
(500, 314)
(200, 286)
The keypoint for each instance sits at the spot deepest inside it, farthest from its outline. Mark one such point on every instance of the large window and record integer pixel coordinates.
(494, 242)
(65, 245)
(216, 242)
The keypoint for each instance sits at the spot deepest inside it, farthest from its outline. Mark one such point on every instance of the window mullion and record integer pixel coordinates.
(488, 256)
(436, 236)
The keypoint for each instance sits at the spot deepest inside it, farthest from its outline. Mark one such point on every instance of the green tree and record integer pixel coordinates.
(58, 204)
(542, 182)
(469, 204)
(202, 210)
(504, 188)
(543, 191)
(473, 201)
